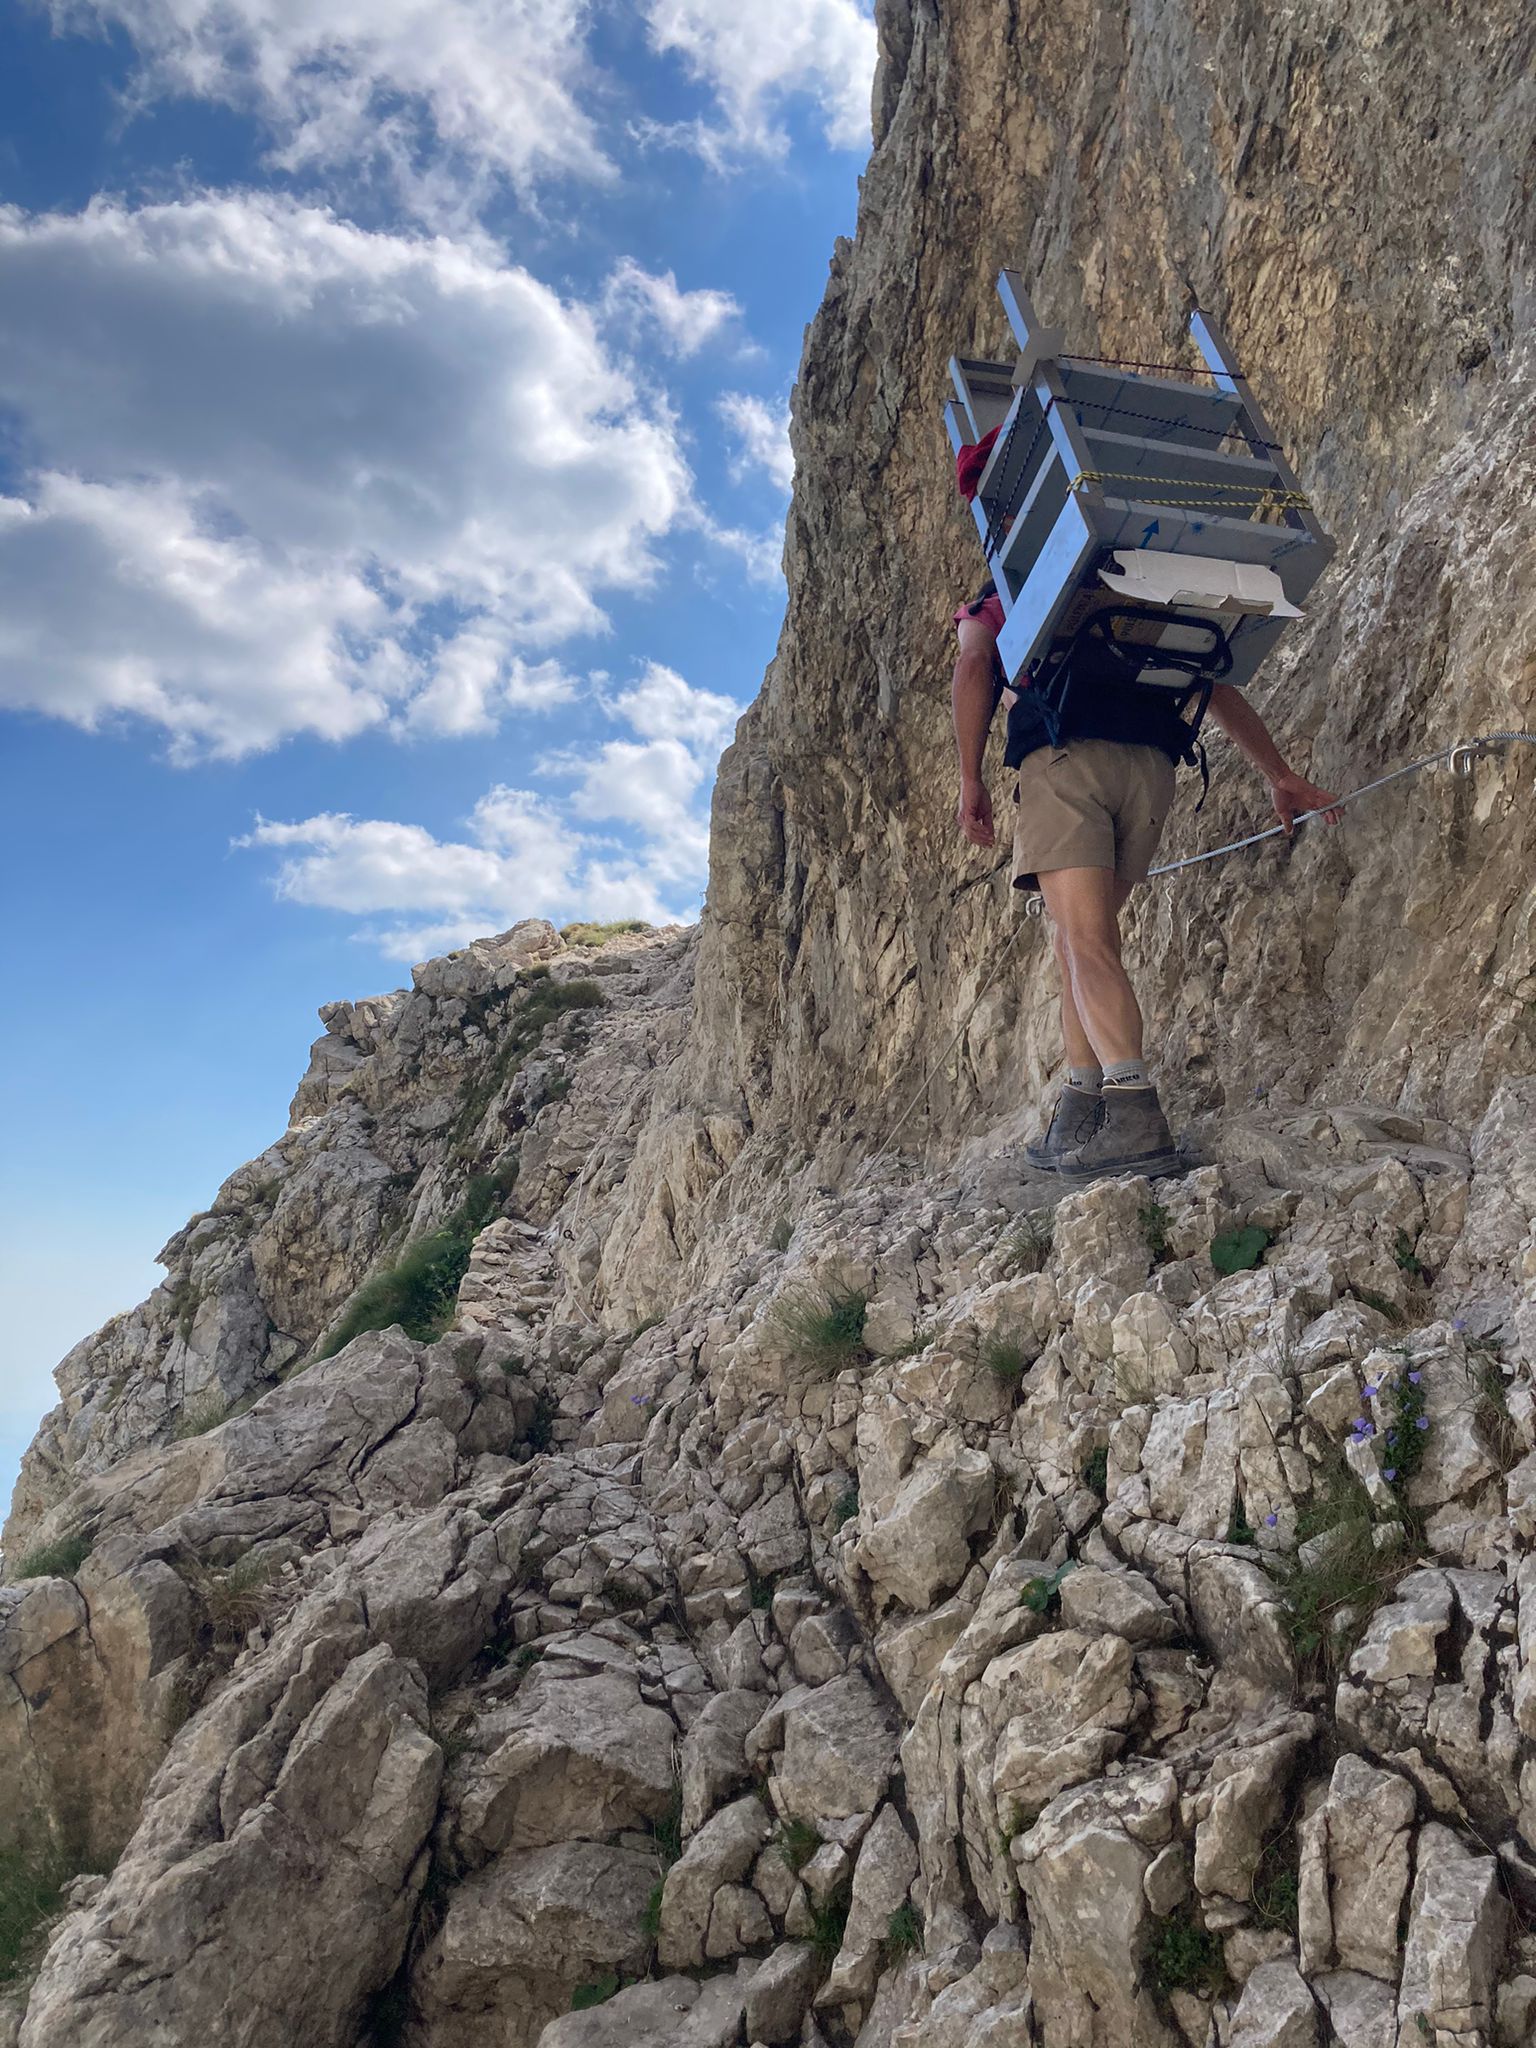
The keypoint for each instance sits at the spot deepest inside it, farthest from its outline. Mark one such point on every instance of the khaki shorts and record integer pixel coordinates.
(1090, 804)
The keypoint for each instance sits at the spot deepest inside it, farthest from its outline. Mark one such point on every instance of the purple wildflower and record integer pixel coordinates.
(1422, 1423)
(1270, 1520)
(1371, 1393)
(1459, 1323)
(1414, 1378)
(1390, 1473)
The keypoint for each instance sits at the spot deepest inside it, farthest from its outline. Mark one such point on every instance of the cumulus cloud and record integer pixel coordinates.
(291, 476)
(439, 95)
(761, 433)
(627, 838)
(754, 58)
(684, 320)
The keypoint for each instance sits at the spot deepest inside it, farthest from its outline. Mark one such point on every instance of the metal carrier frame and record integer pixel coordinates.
(1094, 456)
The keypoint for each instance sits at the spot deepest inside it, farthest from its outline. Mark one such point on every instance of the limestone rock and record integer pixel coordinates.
(779, 1994)
(920, 1547)
(1276, 2010)
(719, 1856)
(1456, 1927)
(1360, 1846)
(570, 1758)
(838, 1752)
(318, 1758)
(670, 2012)
(520, 1934)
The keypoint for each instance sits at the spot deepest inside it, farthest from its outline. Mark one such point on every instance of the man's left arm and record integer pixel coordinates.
(1291, 793)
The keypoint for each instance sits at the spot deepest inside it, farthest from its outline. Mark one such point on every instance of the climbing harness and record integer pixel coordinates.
(1461, 755)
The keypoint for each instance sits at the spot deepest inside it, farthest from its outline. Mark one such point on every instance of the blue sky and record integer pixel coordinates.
(392, 478)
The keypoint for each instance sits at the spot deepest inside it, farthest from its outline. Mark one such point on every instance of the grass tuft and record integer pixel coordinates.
(903, 1932)
(1027, 1246)
(1096, 1472)
(1329, 1600)
(1155, 1223)
(598, 1992)
(828, 1330)
(59, 1560)
(1187, 1957)
(600, 934)
(31, 1896)
(238, 1599)
(829, 1923)
(198, 1416)
(1004, 1357)
(847, 1506)
(1371, 1299)
(650, 1919)
(797, 1843)
(667, 1831)
(1239, 1528)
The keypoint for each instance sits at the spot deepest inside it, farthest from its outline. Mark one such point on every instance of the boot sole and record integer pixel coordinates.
(1042, 1162)
(1153, 1166)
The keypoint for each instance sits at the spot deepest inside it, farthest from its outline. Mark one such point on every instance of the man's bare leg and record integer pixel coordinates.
(1100, 1016)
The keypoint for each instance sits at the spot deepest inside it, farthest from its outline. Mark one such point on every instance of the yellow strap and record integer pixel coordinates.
(1215, 498)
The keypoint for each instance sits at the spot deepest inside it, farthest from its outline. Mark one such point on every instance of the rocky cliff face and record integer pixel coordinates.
(588, 1544)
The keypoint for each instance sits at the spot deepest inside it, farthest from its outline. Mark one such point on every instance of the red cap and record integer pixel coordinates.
(971, 461)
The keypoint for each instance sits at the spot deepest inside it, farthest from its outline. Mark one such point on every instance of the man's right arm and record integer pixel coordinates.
(974, 698)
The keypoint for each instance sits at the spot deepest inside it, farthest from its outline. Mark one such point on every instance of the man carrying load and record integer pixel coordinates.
(1091, 804)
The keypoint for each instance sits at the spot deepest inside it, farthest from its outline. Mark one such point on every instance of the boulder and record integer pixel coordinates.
(779, 1993)
(1457, 1919)
(839, 1749)
(572, 1757)
(315, 1759)
(1276, 2010)
(920, 1547)
(670, 2012)
(518, 1936)
(720, 1854)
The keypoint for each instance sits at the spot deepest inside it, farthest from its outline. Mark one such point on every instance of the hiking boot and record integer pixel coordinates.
(1130, 1135)
(1071, 1124)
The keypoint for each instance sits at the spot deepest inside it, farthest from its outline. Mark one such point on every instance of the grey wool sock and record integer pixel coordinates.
(1127, 1074)
(1087, 1080)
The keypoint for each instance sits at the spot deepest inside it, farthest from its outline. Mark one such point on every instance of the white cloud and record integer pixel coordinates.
(760, 554)
(291, 476)
(630, 838)
(684, 320)
(754, 57)
(762, 436)
(439, 95)
(662, 706)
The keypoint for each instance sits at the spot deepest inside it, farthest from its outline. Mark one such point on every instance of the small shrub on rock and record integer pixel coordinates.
(59, 1560)
(1187, 1957)
(1236, 1251)
(1004, 1357)
(31, 1894)
(903, 1932)
(827, 1330)
(204, 1412)
(1027, 1246)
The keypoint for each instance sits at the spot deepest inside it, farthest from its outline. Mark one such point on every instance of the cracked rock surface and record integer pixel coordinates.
(794, 1588)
